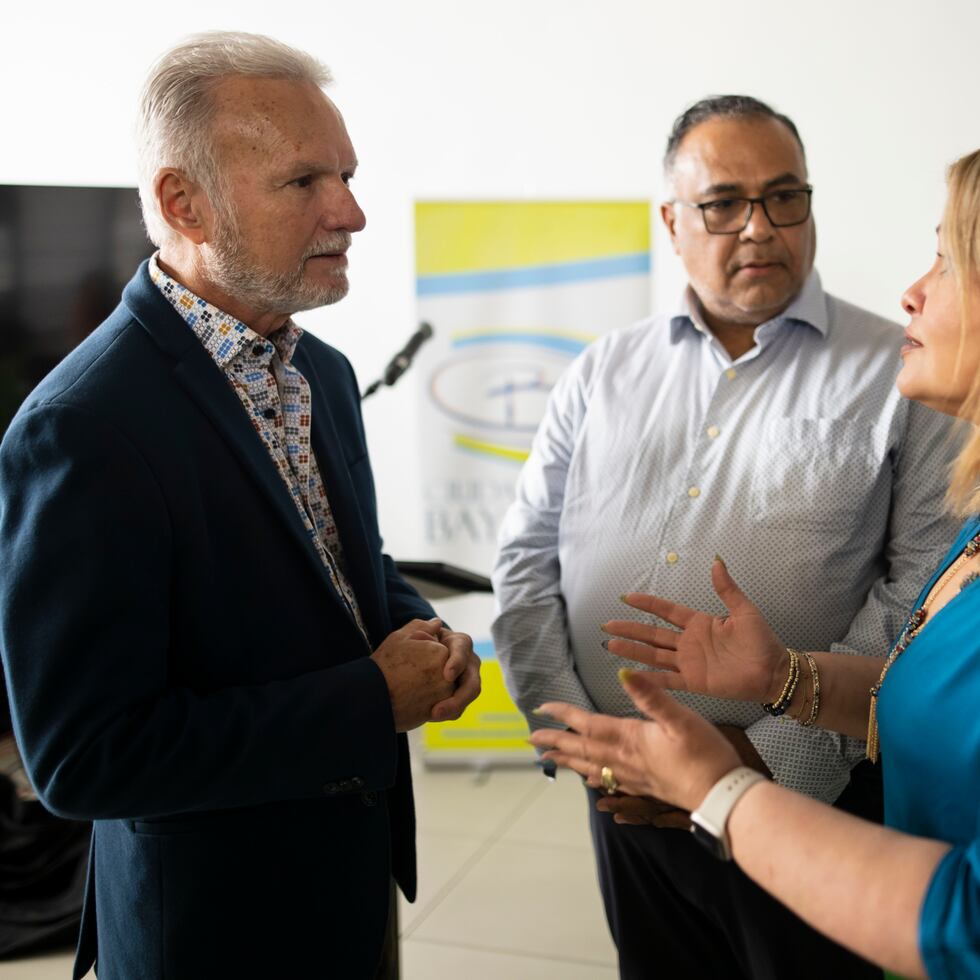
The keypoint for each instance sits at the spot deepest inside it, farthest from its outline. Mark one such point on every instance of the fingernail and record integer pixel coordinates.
(605, 644)
(539, 712)
(622, 598)
(602, 627)
(721, 560)
(624, 674)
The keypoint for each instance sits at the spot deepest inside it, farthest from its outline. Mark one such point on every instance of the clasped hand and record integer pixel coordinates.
(432, 673)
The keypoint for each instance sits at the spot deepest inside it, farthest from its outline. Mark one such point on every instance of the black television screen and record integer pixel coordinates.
(65, 255)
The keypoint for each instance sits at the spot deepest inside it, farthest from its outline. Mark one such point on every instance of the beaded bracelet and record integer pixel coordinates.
(778, 707)
(815, 682)
(804, 701)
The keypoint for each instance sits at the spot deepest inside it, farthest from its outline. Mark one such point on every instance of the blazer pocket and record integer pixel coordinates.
(194, 823)
(814, 473)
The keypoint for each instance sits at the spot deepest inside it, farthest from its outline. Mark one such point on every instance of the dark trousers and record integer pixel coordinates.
(677, 913)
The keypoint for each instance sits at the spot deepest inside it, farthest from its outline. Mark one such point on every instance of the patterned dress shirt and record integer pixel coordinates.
(276, 398)
(799, 463)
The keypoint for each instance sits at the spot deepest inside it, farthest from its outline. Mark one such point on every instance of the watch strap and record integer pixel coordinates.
(711, 817)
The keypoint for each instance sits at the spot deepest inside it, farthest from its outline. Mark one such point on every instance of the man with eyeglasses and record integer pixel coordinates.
(758, 419)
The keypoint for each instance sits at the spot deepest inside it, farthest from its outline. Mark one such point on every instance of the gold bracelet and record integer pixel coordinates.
(803, 702)
(815, 682)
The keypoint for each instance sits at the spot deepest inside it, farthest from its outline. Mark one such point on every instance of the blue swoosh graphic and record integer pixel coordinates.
(540, 275)
(566, 345)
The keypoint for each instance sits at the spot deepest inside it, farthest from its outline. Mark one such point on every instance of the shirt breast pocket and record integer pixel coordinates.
(814, 473)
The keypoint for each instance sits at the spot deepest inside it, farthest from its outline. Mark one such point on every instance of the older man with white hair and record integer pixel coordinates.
(208, 654)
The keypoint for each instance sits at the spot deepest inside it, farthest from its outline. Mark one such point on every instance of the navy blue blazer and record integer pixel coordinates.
(182, 672)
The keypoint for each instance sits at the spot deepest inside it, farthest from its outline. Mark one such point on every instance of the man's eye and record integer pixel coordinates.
(305, 181)
(719, 207)
(785, 197)
(347, 178)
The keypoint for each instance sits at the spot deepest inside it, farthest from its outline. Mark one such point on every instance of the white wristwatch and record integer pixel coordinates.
(709, 822)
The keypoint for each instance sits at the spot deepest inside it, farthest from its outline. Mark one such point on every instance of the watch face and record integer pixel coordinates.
(717, 846)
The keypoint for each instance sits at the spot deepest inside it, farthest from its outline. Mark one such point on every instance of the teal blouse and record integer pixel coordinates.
(929, 724)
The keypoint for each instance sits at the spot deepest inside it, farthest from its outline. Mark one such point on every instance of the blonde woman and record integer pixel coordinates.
(906, 895)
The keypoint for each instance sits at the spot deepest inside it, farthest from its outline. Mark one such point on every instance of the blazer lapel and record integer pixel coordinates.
(328, 449)
(202, 380)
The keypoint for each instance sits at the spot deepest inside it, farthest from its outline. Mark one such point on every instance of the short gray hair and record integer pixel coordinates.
(727, 107)
(173, 127)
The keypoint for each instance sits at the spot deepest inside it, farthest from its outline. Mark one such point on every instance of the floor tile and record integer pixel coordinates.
(527, 900)
(435, 961)
(467, 802)
(51, 966)
(440, 857)
(558, 815)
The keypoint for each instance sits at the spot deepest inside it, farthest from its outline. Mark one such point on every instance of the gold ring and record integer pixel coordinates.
(609, 782)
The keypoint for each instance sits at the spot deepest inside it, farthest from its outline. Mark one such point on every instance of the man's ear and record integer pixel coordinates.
(183, 205)
(669, 217)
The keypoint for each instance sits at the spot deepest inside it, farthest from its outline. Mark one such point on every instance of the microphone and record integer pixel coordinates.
(402, 361)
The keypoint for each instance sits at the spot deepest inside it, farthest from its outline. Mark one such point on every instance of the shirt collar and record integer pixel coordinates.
(809, 308)
(224, 337)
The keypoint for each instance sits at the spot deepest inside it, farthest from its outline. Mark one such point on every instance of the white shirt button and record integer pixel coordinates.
(731, 374)
(714, 431)
(672, 557)
(694, 492)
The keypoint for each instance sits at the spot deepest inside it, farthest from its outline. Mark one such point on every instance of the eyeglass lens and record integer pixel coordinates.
(788, 207)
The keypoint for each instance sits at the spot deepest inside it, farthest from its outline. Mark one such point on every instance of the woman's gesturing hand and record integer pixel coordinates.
(735, 656)
(676, 757)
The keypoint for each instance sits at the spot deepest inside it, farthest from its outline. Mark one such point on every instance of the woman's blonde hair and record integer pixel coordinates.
(961, 245)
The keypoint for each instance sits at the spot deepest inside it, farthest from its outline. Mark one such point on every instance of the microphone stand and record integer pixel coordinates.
(402, 361)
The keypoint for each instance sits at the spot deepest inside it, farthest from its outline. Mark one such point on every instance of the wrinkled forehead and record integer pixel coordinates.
(271, 116)
(743, 154)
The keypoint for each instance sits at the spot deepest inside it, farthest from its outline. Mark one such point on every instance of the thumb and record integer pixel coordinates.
(731, 595)
(647, 692)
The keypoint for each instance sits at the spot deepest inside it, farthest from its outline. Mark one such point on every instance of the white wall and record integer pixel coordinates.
(543, 98)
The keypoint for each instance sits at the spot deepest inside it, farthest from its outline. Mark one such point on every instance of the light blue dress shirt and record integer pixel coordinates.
(929, 723)
(799, 463)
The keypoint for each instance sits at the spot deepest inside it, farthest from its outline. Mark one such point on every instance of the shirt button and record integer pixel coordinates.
(672, 557)
(269, 413)
(731, 374)
(258, 350)
(714, 431)
(694, 492)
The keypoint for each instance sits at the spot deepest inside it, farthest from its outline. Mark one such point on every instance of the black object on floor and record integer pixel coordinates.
(43, 860)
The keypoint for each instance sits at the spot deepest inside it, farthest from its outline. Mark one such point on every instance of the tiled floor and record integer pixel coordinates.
(507, 886)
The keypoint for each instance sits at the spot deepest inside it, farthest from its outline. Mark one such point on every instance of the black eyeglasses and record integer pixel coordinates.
(731, 215)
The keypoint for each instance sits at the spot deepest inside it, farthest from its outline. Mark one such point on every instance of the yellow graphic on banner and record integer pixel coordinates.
(491, 449)
(451, 237)
(490, 723)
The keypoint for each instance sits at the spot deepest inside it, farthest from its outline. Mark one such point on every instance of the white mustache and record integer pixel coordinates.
(339, 242)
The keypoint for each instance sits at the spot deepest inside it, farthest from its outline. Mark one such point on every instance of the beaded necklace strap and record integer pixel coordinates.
(911, 629)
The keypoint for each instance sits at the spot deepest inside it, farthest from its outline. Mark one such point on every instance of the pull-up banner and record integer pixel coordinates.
(514, 292)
